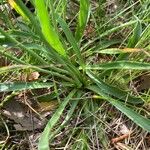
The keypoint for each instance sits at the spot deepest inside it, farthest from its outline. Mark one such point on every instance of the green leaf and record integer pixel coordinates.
(48, 97)
(100, 46)
(83, 18)
(18, 9)
(47, 29)
(113, 91)
(133, 40)
(136, 35)
(134, 116)
(10, 56)
(71, 39)
(68, 116)
(120, 65)
(23, 48)
(109, 51)
(44, 139)
(110, 31)
(30, 16)
(16, 86)
(144, 38)
(54, 73)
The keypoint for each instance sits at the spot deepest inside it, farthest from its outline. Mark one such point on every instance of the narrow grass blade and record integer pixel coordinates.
(23, 48)
(110, 31)
(120, 65)
(31, 17)
(133, 40)
(100, 45)
(136, 35)
(10, 56)
(16, 86)
(113, 91)
(134, 116)
(145, 36)
(18, 67)
(83, 18)
(68, 116)
(47, 29)
(48, 97)
(35, 24)
(44, 139)
(17, 8)
(71, 39)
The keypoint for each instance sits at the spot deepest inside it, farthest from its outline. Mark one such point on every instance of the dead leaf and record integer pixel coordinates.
(33, 76)
(130, 50)
(18, 112)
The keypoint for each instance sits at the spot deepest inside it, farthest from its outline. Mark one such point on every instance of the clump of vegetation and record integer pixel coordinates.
(89, 54)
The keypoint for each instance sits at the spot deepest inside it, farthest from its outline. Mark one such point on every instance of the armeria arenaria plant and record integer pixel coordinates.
(49, 43)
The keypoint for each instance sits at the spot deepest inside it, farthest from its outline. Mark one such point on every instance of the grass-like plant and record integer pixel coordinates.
(48, 45)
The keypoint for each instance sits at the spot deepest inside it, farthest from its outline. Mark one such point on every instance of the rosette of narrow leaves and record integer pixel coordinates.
(58, 54)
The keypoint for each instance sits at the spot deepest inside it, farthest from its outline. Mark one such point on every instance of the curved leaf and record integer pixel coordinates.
(44, 139)
(17, 8)
(136, 35)
(83, 18)
(48, 30)
(113, 91)
(134, 116)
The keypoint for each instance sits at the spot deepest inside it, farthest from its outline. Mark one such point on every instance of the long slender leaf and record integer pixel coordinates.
(16, 86)
(71, 39)
(44, 139)
(144, 37)
(47, 29)
(18, 9)
(133, 40)
(23, 48)
(134, 116)
(83, 18)
(10, 56)
(120, 65)
(113, 91)
(15, 67)
(136, 35)
(68, 116)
